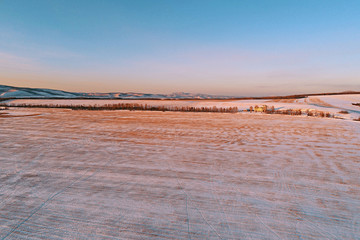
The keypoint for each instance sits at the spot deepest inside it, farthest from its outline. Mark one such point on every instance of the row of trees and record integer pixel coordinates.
(146, 107)
(132, 107)
(319, 114)
(272, 110)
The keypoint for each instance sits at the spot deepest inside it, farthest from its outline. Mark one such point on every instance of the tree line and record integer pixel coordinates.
(272, 110)
(131, 107)
(145, 107)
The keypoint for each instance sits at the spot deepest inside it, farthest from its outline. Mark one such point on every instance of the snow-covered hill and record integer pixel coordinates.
(22, 92)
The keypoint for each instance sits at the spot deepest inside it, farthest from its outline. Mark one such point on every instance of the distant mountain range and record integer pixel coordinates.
(23, 92)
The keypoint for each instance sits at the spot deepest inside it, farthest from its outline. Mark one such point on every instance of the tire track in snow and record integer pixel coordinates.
(83, 177)
(170, 166)
(45, 203)
(268, 227)
(216, 197)
(187, 217)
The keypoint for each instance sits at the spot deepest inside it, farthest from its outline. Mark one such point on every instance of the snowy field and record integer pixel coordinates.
(332, 104)
(168, 175)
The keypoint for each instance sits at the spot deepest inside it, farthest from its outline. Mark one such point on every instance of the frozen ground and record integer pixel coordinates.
(167, 175)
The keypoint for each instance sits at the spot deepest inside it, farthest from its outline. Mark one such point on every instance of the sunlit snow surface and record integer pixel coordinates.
(167, 175)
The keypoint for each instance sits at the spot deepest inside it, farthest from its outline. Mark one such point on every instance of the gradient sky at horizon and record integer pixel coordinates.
(239, 48)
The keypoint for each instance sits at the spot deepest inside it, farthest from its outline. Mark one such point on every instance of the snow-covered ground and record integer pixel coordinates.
(24, 92)
(172, 175)
(332, 104)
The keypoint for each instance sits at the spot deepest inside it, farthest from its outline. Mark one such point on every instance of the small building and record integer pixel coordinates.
(263, 108)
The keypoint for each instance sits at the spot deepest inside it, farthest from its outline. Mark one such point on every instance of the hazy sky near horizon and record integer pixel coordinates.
(228, 47)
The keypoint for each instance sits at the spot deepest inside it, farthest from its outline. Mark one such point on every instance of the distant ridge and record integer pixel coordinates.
(10, 92)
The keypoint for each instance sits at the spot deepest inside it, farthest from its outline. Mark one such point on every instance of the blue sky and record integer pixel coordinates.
(242, 48)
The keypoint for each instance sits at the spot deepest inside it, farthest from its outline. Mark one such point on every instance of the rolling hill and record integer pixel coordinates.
(23, 92)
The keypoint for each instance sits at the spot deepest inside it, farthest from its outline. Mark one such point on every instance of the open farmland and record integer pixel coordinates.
(169, 175)
(333, 104)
